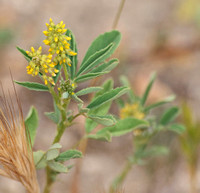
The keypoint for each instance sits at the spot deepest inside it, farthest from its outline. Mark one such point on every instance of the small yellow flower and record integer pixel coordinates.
(45, 33)
(47, 42)
(137, 132)
(131, 110)
(72, 53)
(61, 48)
(32, 49)
(56, 39)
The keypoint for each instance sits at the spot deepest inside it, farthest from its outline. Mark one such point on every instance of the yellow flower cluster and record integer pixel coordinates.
(59, 45)
(58, 42)
(131, 110)
(41, 63)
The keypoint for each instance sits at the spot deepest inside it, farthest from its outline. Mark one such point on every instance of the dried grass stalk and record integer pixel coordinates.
(16, 156)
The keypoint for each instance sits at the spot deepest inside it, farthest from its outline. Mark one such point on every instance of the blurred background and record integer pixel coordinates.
(161, 36)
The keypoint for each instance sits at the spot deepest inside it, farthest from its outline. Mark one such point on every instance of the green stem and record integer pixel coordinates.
(53, 93)
(121, 6)
(65, 72)
(60, 131)
(49, 180)
(118, 181)
(62, 125)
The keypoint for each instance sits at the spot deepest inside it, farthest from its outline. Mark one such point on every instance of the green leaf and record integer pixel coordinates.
(94, 60)
(120, 103)
(33, 86)
(27, 57)
(69, 154)
(77, 99)
(57, 167)
(177, 128)
(81, 109)
(124, 81)
(124, 126)
(73, 46)
(106, 120)
(108, 96)
(101, 49)
(88, 90)
(146, 93)
(53, 151)
(106, 66)
(167, 100)
(107, 86)
(105, 136)
(169, 115)
(31, 123)
(101, 110)
(154, 151)
(54, 116)
(102, 41)
(39, 159)
(52, 154)
(89, 76)
(56, 146)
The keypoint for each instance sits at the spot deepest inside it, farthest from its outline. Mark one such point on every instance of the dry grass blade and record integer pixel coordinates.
(16, 156)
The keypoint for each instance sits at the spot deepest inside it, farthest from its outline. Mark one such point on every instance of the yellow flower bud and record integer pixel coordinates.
(45, 33)
(50, 56)
(61, 23)
(61, 48)
(72, 53)
(68, 38)
(56, 70)
(46, 42)
(32, 49)
(56, 39)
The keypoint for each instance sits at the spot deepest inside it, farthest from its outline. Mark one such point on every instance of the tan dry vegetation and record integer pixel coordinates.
(16, 156)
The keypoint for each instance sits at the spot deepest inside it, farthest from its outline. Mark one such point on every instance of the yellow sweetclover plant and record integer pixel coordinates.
(61, 75)
(135, 107)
